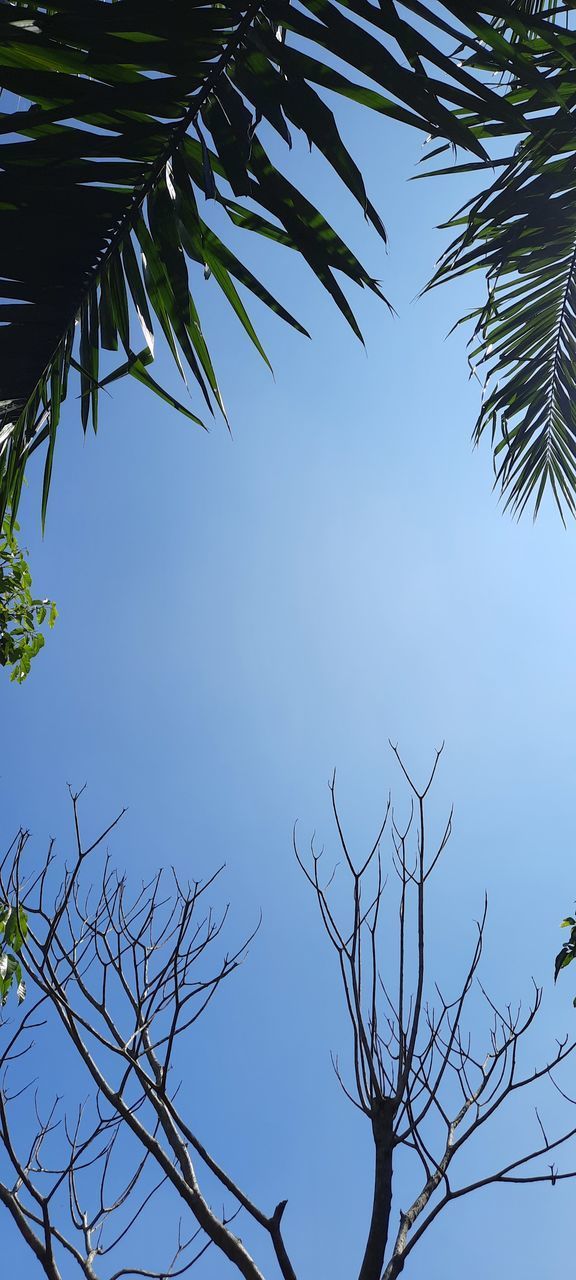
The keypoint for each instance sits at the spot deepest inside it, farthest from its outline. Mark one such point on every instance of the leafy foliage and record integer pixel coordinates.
(522, 229)
(141, 117)
(567, 952)
(13, 930)
(21, 616)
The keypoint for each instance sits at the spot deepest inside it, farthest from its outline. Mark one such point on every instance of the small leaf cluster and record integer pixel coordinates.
(13, 930)
(567, 952)
(21, 616)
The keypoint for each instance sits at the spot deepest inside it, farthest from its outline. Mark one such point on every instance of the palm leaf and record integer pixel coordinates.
(522, 231)
(135, 111)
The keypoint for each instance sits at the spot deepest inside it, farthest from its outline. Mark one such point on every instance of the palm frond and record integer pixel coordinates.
(522, 231)
(139, 118)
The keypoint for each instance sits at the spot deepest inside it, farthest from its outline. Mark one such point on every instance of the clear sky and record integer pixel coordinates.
(238, 616)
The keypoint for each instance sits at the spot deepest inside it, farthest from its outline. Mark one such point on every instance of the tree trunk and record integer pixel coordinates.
(373, 1261)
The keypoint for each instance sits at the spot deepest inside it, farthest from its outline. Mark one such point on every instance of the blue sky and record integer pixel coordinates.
(240, 615)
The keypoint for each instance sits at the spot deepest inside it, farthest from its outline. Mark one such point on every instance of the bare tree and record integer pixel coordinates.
(124, 977)
(416, 1074)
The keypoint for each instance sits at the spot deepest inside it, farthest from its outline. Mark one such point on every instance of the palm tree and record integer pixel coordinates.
(119, 116)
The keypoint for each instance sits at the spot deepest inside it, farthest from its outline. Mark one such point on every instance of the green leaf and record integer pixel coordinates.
(117, 102)
(21, 617)
(522, 230)
(139, 371)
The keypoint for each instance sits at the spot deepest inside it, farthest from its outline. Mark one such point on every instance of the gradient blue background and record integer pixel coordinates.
(238, 616)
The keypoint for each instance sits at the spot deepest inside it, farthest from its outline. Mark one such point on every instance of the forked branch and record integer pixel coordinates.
(125, 977)
(416, 1074)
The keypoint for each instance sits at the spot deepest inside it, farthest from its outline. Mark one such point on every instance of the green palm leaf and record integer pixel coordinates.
(134, 112)
(522, 231)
